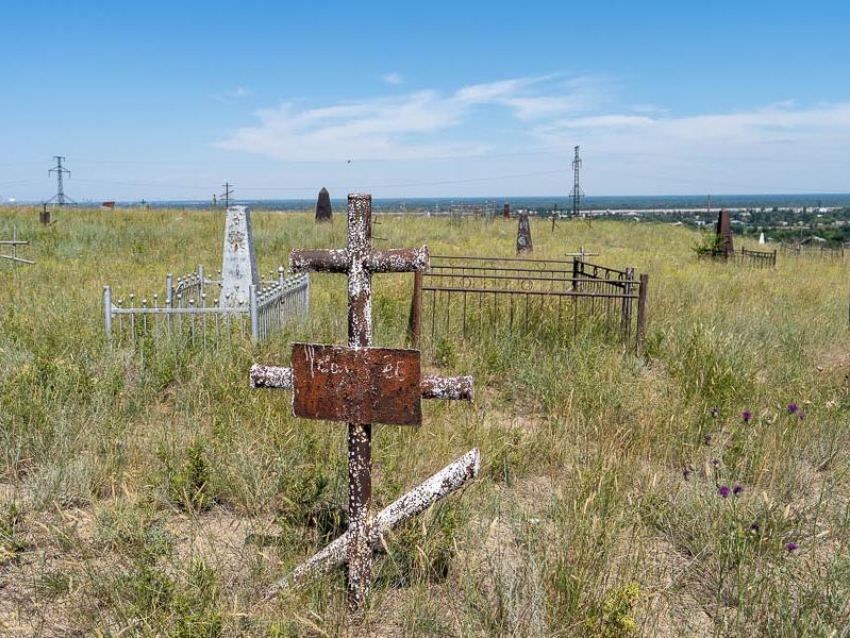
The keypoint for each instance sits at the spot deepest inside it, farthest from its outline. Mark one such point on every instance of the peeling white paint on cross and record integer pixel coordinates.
(361, 385)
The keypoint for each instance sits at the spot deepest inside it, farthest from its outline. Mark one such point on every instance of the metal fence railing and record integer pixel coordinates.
(744, 257)
(803, 250)
(460, 295)
(189, 311)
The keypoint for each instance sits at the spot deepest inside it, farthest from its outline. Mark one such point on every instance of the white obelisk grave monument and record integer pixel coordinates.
(239, 265)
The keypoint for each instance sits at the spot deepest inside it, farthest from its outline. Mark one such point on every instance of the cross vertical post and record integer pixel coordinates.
(359, 434)
(358, 261)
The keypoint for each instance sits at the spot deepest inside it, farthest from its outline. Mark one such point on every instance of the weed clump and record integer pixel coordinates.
(191, 488)
(11, 542)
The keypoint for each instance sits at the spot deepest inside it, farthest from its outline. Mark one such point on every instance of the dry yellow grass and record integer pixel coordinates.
(581, 523)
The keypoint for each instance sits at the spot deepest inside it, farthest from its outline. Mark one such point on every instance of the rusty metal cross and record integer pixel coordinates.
(360, 384)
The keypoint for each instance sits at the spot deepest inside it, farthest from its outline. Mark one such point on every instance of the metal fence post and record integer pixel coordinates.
(107, 313)
(280, 276)
(641, 318)
(202, 298)
(253, 313)
(415, 323)
(626, 311)
(576, 263)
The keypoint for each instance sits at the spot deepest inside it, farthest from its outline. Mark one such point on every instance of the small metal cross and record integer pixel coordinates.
(582, 253)
(359, 384)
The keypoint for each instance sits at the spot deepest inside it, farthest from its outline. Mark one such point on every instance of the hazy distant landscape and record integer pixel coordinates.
(563, 203)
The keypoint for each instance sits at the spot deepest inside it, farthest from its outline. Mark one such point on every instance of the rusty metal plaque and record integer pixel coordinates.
(357, 385)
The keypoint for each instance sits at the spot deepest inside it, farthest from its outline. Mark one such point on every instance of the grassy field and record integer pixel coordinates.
(159, 496)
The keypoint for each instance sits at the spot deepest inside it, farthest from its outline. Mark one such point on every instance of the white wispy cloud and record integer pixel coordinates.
(780, 147)
(414, 125)
(634, 148)
(233, 94)
(392, 78)
(823, 126)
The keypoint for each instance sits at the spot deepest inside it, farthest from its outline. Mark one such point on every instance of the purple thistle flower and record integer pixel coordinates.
(792, 408)
(737, 490)
(791, 547)
(706, 439)
(755, 527)
(686, 473)
(715, 462)
(801, 415)
(747, 416)
(723, 491)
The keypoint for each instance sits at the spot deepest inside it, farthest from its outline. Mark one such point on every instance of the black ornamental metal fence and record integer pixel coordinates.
(463, 296)
(813, 250)
(744, 257)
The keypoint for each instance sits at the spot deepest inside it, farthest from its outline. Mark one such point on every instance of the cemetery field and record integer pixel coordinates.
(149, 491)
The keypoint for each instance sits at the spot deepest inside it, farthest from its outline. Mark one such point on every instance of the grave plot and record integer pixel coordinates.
(464, 296)
(723, 248)
(803, 249)
(206, 310)
(361, 385)
(12, 246)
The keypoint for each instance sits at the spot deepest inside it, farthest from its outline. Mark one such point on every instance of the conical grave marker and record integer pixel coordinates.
(362, 385)
(239, 265)
(523, 235)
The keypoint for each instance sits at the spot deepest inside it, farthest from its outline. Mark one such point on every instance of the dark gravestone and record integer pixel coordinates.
(523, 235)
(324, 212)
(507, 211)
(724, 233)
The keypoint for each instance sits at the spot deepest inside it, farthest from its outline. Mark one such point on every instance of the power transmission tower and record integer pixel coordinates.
(576, 193)
(228, 191)
(59, 197)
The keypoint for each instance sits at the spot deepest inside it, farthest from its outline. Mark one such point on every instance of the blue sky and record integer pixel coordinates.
(164, 100)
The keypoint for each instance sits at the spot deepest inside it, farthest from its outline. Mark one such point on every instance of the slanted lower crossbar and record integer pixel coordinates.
(448, 480)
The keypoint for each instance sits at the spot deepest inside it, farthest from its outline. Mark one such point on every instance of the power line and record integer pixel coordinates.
(492, 178)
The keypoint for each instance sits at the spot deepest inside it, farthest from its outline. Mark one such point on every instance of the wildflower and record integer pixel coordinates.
(791, 547)
(686, 473)
(715, 412)
(723, 491)
(747, 416)
(801, 415)
(792, 408)
(706, 439)
(715, 462)
(737, 490)
(755, 527)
